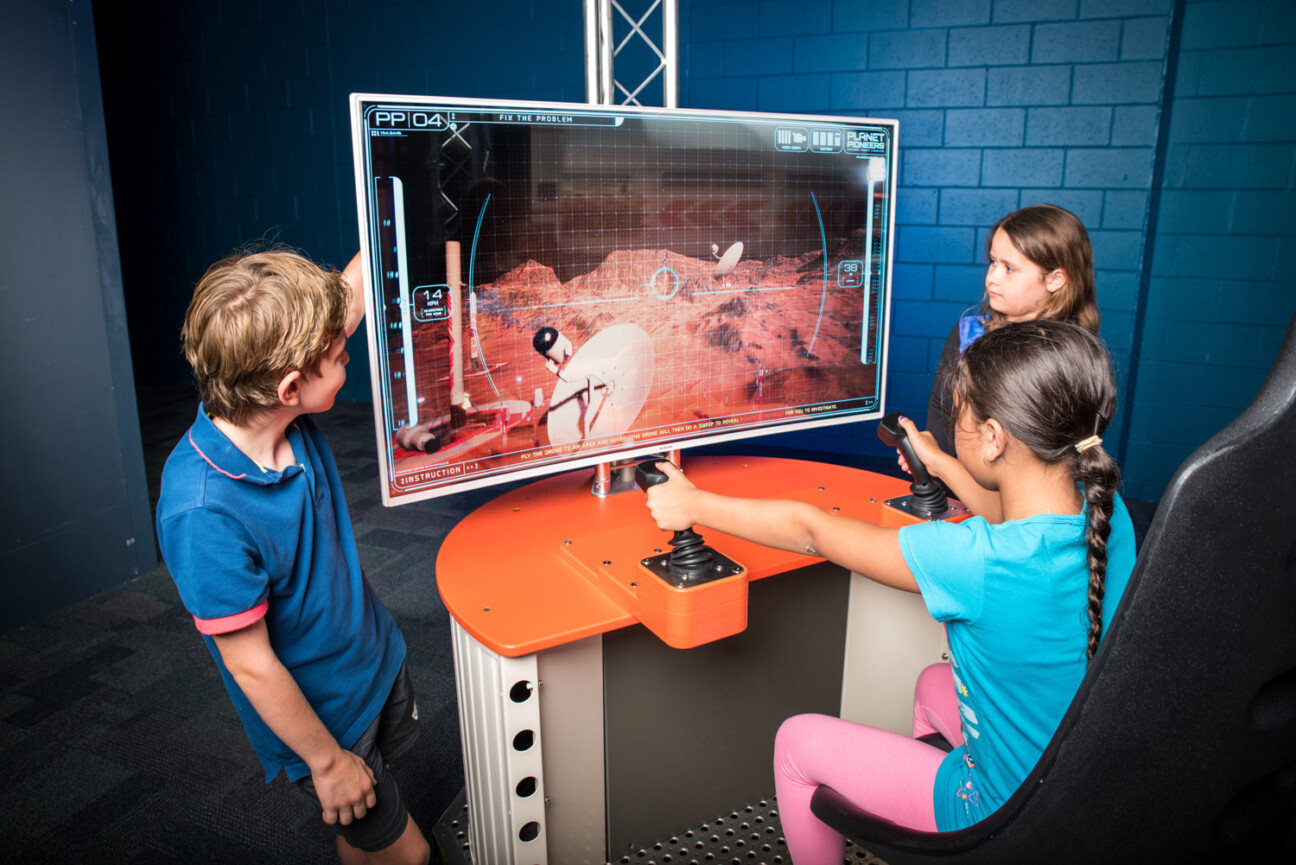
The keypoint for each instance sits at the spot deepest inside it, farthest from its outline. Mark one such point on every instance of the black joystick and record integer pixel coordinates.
(689, 556)
(929, 500)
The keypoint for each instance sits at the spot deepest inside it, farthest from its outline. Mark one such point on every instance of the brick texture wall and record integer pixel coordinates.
(1001, 105)
(1220, 289)
(239, 130)
(236, 127)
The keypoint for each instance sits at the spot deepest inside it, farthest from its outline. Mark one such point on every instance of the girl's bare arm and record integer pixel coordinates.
(862, 547)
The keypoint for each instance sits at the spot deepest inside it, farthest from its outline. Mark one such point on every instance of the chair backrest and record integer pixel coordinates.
(1181, 743)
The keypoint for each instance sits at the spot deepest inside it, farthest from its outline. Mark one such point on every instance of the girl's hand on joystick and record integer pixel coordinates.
(925, 448)
(671, 503)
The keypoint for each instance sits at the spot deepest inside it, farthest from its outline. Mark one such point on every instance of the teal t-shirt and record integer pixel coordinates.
(1013, 597)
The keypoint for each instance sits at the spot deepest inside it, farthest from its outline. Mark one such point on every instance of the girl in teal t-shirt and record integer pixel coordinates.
(1025, 590)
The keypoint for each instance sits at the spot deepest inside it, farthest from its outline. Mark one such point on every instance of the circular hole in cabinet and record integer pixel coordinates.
(526, 787)
(521, 691)
(530, 831)
(524, 740)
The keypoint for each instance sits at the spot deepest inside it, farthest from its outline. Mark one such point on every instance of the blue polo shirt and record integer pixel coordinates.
(1013, 597)
(244, 543)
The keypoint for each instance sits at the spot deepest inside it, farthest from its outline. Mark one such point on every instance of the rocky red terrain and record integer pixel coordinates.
(770, 335)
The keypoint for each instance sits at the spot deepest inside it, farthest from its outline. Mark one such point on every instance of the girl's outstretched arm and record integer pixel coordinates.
(979, 500)
(783, 524)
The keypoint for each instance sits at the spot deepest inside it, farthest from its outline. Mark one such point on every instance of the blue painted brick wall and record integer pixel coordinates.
(257, 123)
(1001, 103)
(1221, 290)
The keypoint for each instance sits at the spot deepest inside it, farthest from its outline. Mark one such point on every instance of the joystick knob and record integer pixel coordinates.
(929, 499)
(648, 475)
(689, 556)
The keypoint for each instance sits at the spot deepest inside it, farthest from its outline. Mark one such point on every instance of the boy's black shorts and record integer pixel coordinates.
(391, 733)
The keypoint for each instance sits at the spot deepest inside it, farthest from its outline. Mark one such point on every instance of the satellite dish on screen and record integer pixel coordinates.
(729, 260)
(603, 387)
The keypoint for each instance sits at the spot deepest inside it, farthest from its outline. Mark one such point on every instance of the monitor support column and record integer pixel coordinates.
(601, 85)
(600, 89)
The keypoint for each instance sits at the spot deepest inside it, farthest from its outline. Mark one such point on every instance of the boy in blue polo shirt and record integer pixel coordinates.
(254, 529)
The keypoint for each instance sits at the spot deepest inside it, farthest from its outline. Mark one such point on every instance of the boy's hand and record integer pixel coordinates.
(354, 278)
(925, 446)
(670, 502)
(345, 789)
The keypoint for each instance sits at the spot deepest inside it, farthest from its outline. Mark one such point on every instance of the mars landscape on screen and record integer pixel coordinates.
(765, 341)
(614, 282)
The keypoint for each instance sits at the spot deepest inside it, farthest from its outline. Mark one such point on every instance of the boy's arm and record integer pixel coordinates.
(786, 525)
(352, 276)
(343, 781)
(979, 500)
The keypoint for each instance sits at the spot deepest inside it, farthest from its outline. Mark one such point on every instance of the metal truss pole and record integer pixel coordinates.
(601, 85)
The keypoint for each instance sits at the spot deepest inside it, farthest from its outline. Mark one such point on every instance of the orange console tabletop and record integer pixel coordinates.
(550, 563)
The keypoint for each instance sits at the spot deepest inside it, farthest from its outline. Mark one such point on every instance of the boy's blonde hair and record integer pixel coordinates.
(254, 318)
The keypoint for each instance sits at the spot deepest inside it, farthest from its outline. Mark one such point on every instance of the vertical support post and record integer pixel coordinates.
(670, 53)
(598, 52)
(600, 86)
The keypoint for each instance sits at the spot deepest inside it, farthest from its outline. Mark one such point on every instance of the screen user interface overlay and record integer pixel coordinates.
(553, 285)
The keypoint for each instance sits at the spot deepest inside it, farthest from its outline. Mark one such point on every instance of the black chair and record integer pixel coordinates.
(1180, 745)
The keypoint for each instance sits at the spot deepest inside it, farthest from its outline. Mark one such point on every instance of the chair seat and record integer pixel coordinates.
(1180, 744)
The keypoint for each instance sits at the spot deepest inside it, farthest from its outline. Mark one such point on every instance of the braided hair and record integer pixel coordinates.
(1049, 384)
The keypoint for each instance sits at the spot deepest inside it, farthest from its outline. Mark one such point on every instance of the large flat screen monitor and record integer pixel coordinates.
(554, 285)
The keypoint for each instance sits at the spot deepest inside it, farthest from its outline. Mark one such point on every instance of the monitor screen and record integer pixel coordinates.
(556, 285)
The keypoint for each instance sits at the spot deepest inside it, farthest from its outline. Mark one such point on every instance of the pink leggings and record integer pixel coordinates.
(885, 773)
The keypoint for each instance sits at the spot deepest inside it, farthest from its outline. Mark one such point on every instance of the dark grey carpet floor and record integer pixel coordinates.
(118, 743)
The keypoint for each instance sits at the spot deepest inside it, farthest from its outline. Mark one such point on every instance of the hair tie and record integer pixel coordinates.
(1091, 442)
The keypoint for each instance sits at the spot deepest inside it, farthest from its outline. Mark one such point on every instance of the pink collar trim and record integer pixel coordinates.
(212, 464)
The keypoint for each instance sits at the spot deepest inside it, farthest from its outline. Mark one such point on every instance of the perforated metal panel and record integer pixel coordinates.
(499, 719)
(750, 835)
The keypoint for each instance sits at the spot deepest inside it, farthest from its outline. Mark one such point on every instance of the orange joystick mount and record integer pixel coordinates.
(690, 562)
